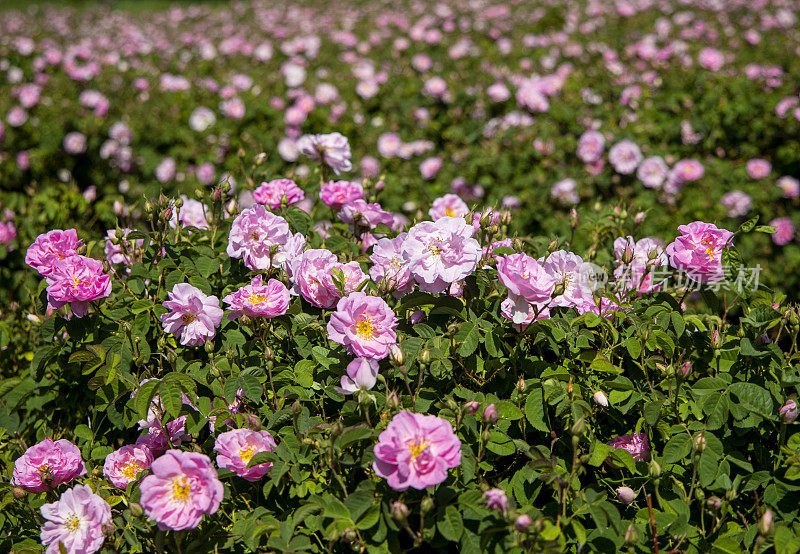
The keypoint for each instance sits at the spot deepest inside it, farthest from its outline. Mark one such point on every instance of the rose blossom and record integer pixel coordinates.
(430, 167)
(336, 194)
(758, 168)
(575, 276)
(77, 521)
(273, 192)
(566, 191)
(635, 443)
(652, 172)
(736, 202)
(784, 230)
(390, 265)
(183, 487)
(253, 234)
(525, 312)
(364, 325)
(590, 146)
(75, 143)
(50, 247)
(710, 58)
(527, 283)
(636, 262)
(448, 205)
(192, 315)
(237, 447)
(625, 156)
(496, 499)
(191, 214)
(77, 280)
(441, 252)
(362, 374)
(331, 149)
(361, 213)
(790, 186)
(698, 251)
(258, 300)
(8, 232)
(311, 275)
(122, 466)
(416, 451)
(48, 464)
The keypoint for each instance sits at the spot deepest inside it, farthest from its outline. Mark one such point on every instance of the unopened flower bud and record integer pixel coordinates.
(715, 340)
(627, 254)
(198, 193)
(578, 428)
(765, 524)
(626, 495)
(425, 357)
(558, 290)
(685, 370)
(700, 443)
(730, 494)
(714, 503)
(601, 398)
(399, 511)
(471, 407)
(136, 509)
(655, 469)
(553, 246)
(380, 185)
(631, 535)
(396, 355)
(490, 413)
(426, 505)
(788, 411)
(392, 401)
(521, 386)
(261, 158)
(522, 522)
(349, 535)
(638, 219)
(573, 218)
(19, 493)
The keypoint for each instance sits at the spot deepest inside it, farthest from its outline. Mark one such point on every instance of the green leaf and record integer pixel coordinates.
(469, 335)
(677, 448)
(534, 410)
(634, 347)
(748, 225)
(251, 386)
(752, 397)
(170, 394)
(500, 443)
(451, 526)
(652, 411)
(144, 397)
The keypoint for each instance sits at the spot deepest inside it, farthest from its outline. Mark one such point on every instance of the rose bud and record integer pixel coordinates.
(522, 522)
(601, 398)
(626, 495)
(490, 413)
(765, 524)
(399, 511)
(471, 407)
(789, 411)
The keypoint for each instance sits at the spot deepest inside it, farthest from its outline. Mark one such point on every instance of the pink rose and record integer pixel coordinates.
(79, 520)
(698, 251)
(336, 194)
(50, 247)
(258, 300)
(183, 487)
(365, 325)
(122, 466)
(77, 280)
(48, 464)
(273, 193)
(416, 451)
(192, 316)
(237, 447)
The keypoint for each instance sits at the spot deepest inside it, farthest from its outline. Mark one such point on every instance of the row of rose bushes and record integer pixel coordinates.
(676, 112)
(381, 384)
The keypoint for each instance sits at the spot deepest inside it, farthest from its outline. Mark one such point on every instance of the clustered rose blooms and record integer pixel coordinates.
(236, 448)
(278, 191)
(698, 251)
(47, 465)
(182, 488)
(192, 316)
(416, 451)
(365, 325)
(638, 261)
(77, 522)
(258, 299)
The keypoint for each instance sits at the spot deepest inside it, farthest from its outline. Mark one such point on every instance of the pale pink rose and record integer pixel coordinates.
(192, 316)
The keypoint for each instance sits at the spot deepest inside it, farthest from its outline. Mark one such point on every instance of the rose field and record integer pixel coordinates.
(400, 276)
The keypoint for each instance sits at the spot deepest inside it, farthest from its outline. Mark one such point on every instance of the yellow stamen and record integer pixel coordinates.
(450, 212)
(257, 298)
(710, 250)
(418, 447)
(246, 453)
(130, 469)
(181, 489)
(365, 328)
(73, 523)
(188, 318)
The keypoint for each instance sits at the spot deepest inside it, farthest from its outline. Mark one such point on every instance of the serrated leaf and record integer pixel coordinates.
(451, 526)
